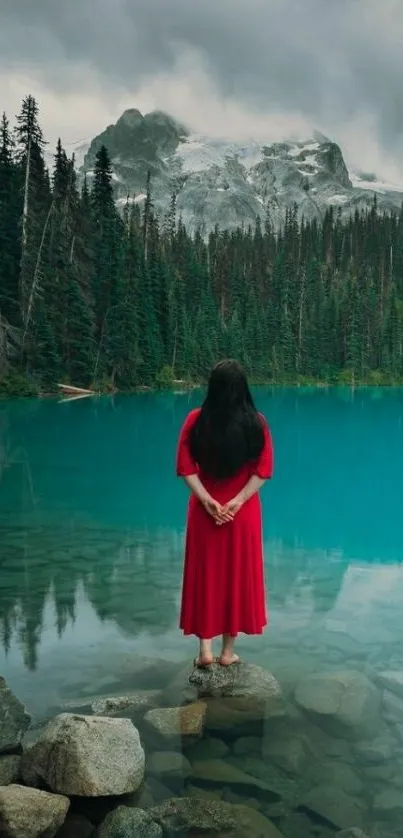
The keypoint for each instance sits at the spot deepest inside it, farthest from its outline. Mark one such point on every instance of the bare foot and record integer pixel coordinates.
(229, 660)
(202, 661)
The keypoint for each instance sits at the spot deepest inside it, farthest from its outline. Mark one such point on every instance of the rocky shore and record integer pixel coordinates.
(219, 752)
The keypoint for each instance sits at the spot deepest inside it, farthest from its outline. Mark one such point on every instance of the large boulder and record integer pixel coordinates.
(29, 813)
(9, 769)
(191, 816)
(345, 704)
(124, 822)
(86, 756)
(14, 719)
(237, 695)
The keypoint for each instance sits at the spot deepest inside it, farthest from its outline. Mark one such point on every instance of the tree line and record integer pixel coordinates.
(94, 295)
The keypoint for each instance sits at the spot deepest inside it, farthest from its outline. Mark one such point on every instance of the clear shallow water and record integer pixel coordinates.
(91, 537)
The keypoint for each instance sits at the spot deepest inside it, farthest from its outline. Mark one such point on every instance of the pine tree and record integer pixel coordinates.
(107, 253)
(9, 228)
(38, 339)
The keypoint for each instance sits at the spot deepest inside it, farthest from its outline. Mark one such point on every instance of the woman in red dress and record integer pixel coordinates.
(225, 455)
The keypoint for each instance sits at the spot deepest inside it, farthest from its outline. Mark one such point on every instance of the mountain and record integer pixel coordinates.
(226, 183)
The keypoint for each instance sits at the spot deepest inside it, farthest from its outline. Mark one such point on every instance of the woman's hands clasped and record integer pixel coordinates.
(223, 514)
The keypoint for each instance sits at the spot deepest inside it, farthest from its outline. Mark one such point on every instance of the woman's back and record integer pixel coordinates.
(223, 488)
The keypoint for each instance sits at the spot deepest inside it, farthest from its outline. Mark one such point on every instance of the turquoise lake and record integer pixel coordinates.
(92, 524)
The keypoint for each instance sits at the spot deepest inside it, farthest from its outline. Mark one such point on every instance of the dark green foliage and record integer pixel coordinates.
(91, 294)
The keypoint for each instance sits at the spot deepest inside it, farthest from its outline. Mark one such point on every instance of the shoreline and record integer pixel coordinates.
(183, 389)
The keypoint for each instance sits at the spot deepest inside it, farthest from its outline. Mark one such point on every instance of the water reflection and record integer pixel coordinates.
(126, 578)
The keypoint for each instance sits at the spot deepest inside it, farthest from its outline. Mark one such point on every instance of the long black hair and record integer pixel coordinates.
(228, 433)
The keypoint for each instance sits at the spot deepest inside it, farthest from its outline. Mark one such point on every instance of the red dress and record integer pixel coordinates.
(223, 584)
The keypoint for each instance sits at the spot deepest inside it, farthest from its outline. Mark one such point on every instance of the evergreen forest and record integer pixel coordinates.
(97, 296)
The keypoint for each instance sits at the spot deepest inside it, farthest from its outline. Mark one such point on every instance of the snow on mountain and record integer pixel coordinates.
(371, 182)
(227, 183)
(79, 148)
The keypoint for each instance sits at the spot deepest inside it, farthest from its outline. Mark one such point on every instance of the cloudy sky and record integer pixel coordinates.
(262, 68)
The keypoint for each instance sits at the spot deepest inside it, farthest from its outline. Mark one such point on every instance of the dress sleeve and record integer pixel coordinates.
(185, 464)
(264, 465)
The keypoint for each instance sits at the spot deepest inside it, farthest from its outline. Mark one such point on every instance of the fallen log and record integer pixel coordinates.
(68, 389)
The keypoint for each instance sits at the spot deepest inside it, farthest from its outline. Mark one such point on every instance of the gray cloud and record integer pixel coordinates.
(331, 60)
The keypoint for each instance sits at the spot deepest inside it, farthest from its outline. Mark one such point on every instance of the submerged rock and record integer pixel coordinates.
(126, 705)
(376, 751)
(337, 774)
(334, 805)
(247, 745)
(9, 769)
(14, 719)
(389, 803)
(346, 703)
(169, 765)
(237, 696)
(76, 826)
(288, 752)
(392, 680)
(352, 833)
(208, 748)
(222, 773)
(29, 813)
(392, 707)
(173, 722)
(191, 816)
(86, 756)
(129, 823)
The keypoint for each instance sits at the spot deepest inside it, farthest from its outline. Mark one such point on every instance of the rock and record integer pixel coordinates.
(352, 833)
(190, 816)
(379, 772)
(129, 823)
(299, 825)
(242, 681)
(247, 745)
(392, 707)
(128, 706)
(203, 794)
(29, 813)
(236, 696)
(157, 790)
(174, 722)
(377, 751)
(9, 769)
(230, 796)
(219, 772)
(290, 753)
(208, 748)
(389, 803)
(392, 680)
(334, 805)
(86, 756)
(168, 765)
(339, 774)
(399, 732)
(76, 826)
(345, 704)
(14, 719)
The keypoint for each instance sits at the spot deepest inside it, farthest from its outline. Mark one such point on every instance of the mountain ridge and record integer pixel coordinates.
(228, 183)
